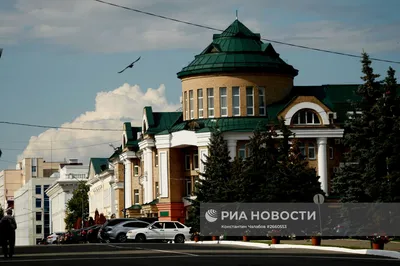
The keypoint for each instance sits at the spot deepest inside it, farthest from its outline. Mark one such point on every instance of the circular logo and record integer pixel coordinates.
(211, 215)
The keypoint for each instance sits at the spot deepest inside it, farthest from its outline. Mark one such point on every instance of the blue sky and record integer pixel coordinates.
(61, 58)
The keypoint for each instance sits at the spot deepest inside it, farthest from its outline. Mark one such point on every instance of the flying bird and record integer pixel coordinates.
(130, 66)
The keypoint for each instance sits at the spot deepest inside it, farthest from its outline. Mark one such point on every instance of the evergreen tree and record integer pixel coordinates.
(214, 185)
(388, 113)
(260, 179)
(298, 182)
(77, 206)
(360, 179)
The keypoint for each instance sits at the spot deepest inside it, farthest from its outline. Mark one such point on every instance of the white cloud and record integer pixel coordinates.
(113, 108)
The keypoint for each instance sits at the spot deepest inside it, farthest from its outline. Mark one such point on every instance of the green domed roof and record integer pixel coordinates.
(237, 49)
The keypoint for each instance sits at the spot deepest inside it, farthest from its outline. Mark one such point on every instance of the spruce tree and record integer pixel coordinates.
(359, 180)
(215, 184)
(388, 113)
(298, 182)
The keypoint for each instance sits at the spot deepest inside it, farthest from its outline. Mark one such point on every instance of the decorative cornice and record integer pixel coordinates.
(146, 143)
(127, 155)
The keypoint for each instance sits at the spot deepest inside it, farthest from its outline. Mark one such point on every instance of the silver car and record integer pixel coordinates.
(118, 231)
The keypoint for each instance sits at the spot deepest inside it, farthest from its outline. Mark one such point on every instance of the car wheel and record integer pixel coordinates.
(140, 238)
(121, 238)
(180, 239)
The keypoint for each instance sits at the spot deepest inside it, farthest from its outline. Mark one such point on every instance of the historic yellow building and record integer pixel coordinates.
(236, 82)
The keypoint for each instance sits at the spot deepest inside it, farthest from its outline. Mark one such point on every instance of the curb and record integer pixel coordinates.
(373, 252)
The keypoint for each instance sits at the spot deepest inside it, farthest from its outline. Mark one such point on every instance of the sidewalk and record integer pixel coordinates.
(344, 243)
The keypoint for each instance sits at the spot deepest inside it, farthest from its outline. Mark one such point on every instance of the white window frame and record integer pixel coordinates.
(242, 149)
(136, 170)
(187, 162)
(297, 118)
(311, 146)
(191, 107)
(196, 161)
(250, 103)
(261, 99)
(136, 194)
(188, 184)
(200, 103)
(236, 95)
(185, 98)
(223, 97)
(210, 102)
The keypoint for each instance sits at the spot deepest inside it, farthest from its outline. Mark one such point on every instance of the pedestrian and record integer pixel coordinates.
(7, 232)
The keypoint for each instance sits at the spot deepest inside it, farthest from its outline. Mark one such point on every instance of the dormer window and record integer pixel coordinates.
(306, 117)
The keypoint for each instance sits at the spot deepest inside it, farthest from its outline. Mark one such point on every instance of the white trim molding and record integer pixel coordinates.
(299, 133)
(323, 163)
(182, 138)
(146, 143)
(307, 105)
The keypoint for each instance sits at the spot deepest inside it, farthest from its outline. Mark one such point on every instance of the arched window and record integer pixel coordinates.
(306, 117)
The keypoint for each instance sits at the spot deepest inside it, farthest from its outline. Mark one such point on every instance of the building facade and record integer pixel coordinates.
(32, 211)
(10, 181)
(102, 193)
(235, 83)
(61, 191)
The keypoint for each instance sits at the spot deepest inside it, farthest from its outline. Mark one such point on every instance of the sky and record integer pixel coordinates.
(60, 60)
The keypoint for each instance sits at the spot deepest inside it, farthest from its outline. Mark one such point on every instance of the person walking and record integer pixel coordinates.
(7, 232)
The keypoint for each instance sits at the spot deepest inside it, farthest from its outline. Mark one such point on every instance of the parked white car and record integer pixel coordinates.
(54, 238)
(172, 231)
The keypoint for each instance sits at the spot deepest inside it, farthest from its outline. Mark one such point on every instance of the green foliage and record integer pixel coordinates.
(272, 173)
(1, 212)
(78, 203)
(372, 168)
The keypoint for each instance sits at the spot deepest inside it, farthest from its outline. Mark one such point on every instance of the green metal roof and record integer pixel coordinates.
(237, 49)
(160, 121)
(99, 164)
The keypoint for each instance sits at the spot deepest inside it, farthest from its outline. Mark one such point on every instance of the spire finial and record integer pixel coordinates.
(236, 14)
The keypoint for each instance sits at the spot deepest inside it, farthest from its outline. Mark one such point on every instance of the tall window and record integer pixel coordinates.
(302, 149)
(188, 189)
(249, 101)
(200, 102)
(242, 151)
(236, 101)
(223, 102)
(187, 162)
(185, 100)
(196, 161)
(311, 151)
(210, 102)
(38, 203)
(38, 229)
(136, 170)
(331, 153)
(38, 216)
(306, 117)
(261, 101)
(191, 107)
(136, 196)
(38, 189)
(33, 169)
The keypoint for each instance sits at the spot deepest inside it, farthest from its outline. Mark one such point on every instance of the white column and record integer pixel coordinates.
(128, 183)
(203, 152)
(148, 182)
(112, 198)
(323, 164)
(232, 148)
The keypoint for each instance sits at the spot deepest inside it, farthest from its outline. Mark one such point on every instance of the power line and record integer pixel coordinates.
(268, 40)
(54, 127)
(45, 141)
(55, 149)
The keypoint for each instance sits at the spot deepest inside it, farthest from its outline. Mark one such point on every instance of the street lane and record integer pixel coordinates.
(181, 254)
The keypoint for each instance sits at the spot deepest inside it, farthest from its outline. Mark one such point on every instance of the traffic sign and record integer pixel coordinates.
(319, 199)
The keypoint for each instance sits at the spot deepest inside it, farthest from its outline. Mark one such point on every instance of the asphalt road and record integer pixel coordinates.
(180, 254)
